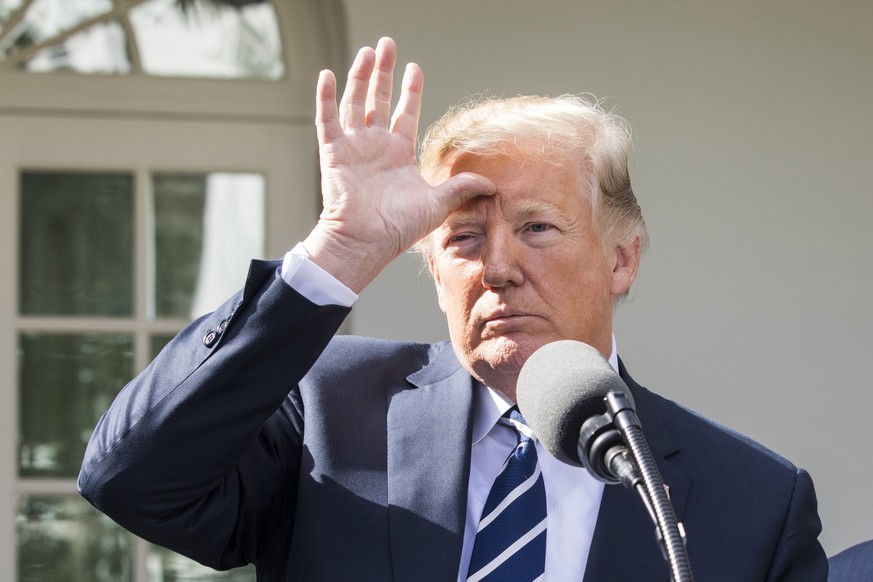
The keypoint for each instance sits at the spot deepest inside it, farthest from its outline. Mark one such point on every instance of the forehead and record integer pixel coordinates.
(525, 185)
(512, 161)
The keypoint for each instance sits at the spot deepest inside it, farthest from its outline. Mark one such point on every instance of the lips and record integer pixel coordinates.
(499, 316)
(503, 317)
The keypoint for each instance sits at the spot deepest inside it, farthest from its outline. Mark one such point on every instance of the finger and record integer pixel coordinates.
(327, 123)
(405, 119)
(352, 112)
(460, 188)
(381, 84)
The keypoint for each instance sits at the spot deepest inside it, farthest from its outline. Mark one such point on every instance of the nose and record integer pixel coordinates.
(501, 260)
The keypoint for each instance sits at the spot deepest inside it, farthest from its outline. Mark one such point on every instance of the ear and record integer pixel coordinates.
(434, 272)
(625, 267)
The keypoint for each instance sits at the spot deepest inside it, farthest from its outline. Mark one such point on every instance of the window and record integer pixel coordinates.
(83, 332)
(231, 39)
(123, 169)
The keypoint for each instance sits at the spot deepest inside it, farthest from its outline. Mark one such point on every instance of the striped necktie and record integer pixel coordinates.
(510, 543)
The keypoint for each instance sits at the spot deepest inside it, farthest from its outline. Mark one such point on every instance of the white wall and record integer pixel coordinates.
(753, 163)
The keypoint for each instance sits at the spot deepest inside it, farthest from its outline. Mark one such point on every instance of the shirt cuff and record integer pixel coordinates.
(313, 282)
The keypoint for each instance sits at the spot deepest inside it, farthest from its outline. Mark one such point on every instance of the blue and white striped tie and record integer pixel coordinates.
(510, 543)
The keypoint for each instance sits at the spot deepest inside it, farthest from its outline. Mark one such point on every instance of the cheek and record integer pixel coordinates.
(579, 290)
(456, 280)
(458, 301)
(458, 305)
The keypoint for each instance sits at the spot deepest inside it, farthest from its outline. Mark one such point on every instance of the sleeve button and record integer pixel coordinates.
(209, 338)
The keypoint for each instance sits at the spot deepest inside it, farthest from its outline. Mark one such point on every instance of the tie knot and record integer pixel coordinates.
(515, 415)
(513, 419)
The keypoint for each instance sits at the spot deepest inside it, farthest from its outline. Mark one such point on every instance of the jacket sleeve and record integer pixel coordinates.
(201, 452)
(799, 556)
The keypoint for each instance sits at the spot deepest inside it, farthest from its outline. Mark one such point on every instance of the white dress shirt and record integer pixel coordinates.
(572, 495)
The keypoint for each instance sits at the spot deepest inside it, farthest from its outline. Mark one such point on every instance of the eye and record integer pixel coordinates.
(461, 241)
(539, 227)
(459, 238)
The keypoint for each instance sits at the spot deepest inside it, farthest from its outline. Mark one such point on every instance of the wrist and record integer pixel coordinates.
(350, 261)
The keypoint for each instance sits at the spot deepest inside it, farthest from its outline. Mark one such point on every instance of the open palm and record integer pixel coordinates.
(376, 203)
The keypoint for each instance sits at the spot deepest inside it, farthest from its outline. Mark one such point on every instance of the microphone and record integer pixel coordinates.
(583, 414)
(562, 393)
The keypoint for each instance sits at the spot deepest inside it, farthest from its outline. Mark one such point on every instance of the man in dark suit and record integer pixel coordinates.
(256, 436)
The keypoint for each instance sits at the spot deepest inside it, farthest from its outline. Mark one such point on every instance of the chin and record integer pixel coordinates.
(503, 355)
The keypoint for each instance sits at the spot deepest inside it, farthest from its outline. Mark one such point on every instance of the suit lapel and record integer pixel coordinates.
(429, 428)
(624, 545)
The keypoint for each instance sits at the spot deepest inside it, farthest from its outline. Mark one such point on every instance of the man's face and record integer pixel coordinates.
(525, 267)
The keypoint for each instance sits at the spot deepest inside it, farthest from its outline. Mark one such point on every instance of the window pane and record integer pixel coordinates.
(46, 19)
(66, 383)
(157, 343)
(207, 227)
(7, 7)
(166, 566)
(178, 240)
(99, 49)
(232, 39)
(198, 38)
(64, 539)
(76, 244)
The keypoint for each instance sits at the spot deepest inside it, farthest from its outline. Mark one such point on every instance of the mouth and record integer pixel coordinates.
(504, 319)
(503, 316)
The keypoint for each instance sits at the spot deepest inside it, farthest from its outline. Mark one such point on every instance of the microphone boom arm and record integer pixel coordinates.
(669, 531)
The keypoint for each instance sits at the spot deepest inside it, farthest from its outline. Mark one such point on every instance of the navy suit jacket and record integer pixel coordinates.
(256, 437)
(854, 564)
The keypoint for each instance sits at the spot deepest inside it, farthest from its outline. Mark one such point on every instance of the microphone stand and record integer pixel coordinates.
(668, 530)
(613, 448)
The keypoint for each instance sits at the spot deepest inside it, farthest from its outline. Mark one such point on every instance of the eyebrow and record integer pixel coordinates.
(519, 210)
(534, 210)
(526, 208)
(463, 219)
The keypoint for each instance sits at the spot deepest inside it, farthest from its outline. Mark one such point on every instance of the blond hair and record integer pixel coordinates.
(556, 130)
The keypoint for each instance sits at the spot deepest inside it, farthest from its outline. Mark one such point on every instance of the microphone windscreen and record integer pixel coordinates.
(562, 385)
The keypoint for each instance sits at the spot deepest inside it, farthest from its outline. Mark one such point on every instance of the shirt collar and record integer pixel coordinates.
(489, 405)
(613, 357)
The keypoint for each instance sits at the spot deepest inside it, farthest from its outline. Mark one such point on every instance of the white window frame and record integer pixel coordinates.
(144, 125)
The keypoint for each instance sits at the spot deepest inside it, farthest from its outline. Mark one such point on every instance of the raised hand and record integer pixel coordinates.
(376, 203)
